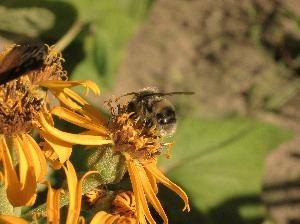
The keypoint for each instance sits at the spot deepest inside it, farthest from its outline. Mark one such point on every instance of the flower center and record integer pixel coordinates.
(18, 103)
(133, 136)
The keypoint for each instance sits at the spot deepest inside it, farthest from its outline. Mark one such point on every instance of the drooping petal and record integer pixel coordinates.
(52, 205)
(61, 148)
(73, 138)
(55, 84)
(75, 192)
(39, 161)
(79, 120)
(151, 195)
(67, 101)
(151, 178)
(74, 96)
(12, 220)
(18, 192)
(73, 212)
(165, 181)
(141, 203)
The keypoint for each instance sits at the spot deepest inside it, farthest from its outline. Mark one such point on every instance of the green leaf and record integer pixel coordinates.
(219, 163)
(111, 24)
(26, 21)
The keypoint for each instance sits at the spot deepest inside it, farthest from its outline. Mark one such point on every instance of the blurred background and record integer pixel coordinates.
(237, 144)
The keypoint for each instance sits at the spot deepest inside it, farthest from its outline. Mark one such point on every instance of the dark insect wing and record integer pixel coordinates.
(149, 94)
(21, 59)
(167, 94)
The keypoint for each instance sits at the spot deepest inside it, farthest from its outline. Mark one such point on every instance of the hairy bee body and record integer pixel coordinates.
(154, 108)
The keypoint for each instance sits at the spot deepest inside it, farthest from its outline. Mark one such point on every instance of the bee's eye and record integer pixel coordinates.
(166, 116)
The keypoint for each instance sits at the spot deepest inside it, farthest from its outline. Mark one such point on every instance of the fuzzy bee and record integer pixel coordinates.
(154, 108)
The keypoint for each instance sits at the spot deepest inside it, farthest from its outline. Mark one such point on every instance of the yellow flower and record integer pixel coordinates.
(123, 211)
(75, 195)
(139, 145)
(124, 204)
(106, 218)
(144, 176)
(7, 219)
(21, 189)
(53, 197)
(26, 73)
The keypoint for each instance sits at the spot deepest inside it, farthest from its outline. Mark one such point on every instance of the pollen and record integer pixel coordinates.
(132, 136)
(21, 98)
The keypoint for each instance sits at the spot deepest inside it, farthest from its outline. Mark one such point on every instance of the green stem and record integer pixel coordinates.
(69, 36)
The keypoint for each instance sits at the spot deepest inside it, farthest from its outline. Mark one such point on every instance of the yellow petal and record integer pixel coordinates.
(12, 220)
(73, 138)
(104, 218)
(52, 205)
(151, 194)
(67, 101)
(38, 159)
(141, 203)
(165, 181)
(18, 193)
(94, 114)
(23, 161)
(61, 148)
(151, 178)
(78, 120)
(75, 192)
(72, 186)
(74, 96)
(54, 84)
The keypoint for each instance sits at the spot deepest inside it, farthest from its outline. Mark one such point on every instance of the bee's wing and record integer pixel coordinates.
(158, 94)
(168, 94)
(21, 59)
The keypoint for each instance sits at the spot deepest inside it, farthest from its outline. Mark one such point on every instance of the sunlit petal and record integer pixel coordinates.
(73, 138)
(18, 193)
(39, 161)
(67, 84)
(74, 96)
(52, 205)
(67, 101)
(75, 192)
(141, 203)
(151, 194)
(164, 180)
(78, 120)
(94, 114)
(12, 220)
(61, 148)
(104, 218)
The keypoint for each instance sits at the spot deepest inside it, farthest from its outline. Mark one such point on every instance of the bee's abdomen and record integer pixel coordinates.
(166, 116)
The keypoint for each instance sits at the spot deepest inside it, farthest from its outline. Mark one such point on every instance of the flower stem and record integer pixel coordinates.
(69, 36)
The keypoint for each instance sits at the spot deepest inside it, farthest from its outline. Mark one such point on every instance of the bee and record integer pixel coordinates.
(154, 108)
(21, 59)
